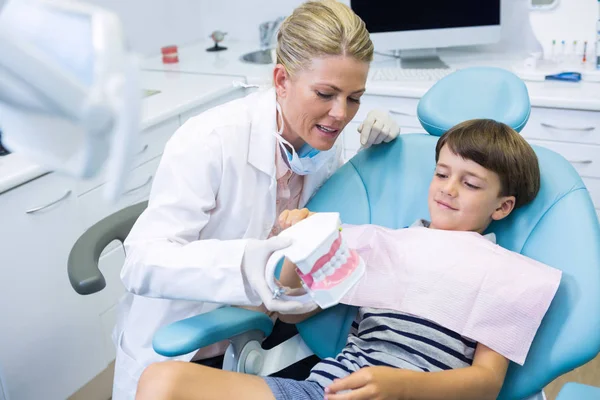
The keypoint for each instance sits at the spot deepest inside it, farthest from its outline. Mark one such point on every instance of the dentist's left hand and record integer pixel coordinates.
(254, 263)
(377, 127)
(291, 217)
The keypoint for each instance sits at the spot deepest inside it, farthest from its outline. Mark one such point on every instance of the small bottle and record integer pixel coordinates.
(598, 45)
(3, 150)
(598, 38)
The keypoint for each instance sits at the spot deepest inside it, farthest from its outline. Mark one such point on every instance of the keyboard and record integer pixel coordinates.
(391, 74)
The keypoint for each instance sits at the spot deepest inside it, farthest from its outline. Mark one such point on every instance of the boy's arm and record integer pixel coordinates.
(483, 380)
(290, 278)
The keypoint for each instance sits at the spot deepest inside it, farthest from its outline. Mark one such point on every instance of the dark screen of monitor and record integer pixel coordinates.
(405, 15)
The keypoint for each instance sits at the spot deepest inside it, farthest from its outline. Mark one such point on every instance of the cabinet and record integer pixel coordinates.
(46, 346)
(575, 135)
(53, 340)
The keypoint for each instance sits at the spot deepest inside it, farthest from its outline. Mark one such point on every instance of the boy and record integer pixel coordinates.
(484, 170)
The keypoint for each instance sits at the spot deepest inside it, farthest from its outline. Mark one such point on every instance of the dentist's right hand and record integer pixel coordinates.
(255, 259)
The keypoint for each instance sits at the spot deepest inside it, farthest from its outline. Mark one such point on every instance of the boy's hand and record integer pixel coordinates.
(370, 383)
(292, 217)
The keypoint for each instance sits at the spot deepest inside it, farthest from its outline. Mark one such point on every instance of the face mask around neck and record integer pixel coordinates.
(307, 160)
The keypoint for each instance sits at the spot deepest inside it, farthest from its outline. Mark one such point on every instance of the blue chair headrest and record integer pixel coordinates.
(477, 92)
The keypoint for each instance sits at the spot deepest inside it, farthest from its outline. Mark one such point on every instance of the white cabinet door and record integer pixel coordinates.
(49, 346)
(584, 157)
(570, 126)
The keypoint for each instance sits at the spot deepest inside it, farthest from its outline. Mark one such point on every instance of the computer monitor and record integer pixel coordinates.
(414, 29)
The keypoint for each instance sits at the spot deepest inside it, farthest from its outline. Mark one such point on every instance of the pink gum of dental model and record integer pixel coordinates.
(340, 273)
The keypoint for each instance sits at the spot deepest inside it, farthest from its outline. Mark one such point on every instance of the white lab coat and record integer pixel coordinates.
(215, 188)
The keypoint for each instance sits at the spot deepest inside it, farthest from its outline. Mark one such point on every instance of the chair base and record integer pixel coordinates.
(245, 355)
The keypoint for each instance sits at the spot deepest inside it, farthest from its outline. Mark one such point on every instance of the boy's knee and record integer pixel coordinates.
(160, 381)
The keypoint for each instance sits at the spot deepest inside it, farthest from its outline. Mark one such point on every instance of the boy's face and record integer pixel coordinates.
(464, 196)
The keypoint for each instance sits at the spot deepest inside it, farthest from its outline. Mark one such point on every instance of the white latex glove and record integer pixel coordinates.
(378, 127)
(254, 263)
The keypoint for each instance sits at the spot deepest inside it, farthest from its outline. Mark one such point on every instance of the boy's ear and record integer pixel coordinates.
(506, 205)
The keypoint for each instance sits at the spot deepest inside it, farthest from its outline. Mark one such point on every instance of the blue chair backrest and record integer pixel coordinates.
(387, 185)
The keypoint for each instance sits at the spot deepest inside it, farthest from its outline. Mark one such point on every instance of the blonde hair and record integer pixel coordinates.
(321, 28)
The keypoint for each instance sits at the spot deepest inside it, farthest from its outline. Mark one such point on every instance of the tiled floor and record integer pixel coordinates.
(588, 374)
(100, 388)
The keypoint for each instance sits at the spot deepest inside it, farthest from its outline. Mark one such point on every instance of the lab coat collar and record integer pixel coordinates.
(261, 149)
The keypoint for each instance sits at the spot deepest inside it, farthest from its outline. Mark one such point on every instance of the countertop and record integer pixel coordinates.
(195, 59)
(178, 92)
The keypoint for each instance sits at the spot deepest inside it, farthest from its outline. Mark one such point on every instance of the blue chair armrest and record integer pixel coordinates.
(193, 333)
(578, 391)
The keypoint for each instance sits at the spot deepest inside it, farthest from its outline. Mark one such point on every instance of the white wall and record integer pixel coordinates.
(151, 24)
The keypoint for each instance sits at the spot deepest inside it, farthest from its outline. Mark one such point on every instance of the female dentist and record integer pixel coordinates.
(227, 174)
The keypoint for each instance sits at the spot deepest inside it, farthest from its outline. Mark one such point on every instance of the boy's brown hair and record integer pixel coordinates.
(498, 148)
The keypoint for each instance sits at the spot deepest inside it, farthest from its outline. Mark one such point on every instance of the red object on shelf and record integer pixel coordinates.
(170, 54)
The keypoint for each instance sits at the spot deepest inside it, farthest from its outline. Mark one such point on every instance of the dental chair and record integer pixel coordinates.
(387, 185)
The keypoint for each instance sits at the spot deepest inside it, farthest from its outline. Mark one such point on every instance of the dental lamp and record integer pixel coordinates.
(69, 91)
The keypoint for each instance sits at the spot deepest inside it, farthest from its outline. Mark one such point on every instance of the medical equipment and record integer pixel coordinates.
(69, 91)
(558, 228)
(417, 29)
(327, 267)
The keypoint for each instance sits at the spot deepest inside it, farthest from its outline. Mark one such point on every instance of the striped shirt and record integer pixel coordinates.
(389, 338)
